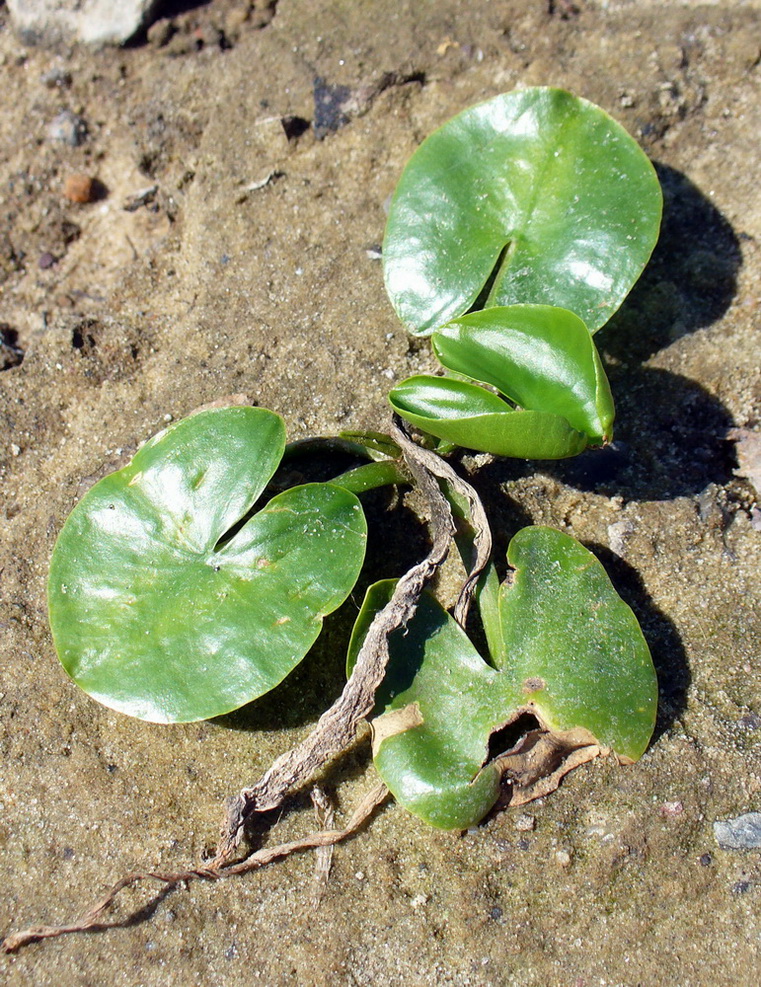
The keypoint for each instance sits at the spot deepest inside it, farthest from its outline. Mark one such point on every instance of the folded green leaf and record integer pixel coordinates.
(163, 607)
(573, 656)
(474, 418)
(534, 196)
(540, 357)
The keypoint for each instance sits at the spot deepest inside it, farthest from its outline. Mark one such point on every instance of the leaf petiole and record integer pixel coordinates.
(370, 476)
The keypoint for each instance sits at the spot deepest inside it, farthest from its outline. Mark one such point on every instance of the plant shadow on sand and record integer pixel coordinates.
(670, 438)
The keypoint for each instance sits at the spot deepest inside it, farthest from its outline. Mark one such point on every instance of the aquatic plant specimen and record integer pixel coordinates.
(516, 231)
(564, 649)
(536, 196)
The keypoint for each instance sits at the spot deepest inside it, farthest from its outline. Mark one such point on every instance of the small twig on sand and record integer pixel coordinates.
(325, 812)
(92, 920)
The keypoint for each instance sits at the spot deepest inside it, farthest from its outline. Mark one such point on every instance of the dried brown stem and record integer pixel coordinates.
(325, 814)
(336, 728)
(481, 534)
(92, 920)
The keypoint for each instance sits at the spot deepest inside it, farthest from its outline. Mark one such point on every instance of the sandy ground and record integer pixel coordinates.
(129, 318)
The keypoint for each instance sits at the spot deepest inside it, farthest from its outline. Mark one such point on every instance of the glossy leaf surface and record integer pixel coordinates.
(435, 769)
(564, 625)
(536, 193)
(474, 418)
(571, 653)
(540, 357)
(159, 610)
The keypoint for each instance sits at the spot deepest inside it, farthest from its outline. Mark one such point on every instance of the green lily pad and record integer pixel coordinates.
(570, 652)
(474, 418)
(164, 606)
(540, 357)
(536, 196)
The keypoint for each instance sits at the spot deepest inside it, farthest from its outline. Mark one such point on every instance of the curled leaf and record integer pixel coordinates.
(540, 357)
(474, 418)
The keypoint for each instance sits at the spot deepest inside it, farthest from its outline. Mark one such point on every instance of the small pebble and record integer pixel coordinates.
(619, 533)
(749, 721)
(563, 857)
(330, 102)
(57, 79)
(741, 887)
(671, 809)
(705, 860)
(47, 260)
(69, 128)
(142, 198)
(160, 32)
(54, 23)
(79, 188)
(740, 833)
(525, 823)
(496, 913)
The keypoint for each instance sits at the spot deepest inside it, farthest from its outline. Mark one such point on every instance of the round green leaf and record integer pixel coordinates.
(542, 358)
(159, 610)
(474, 418)
(537, 194)
(570, 651)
